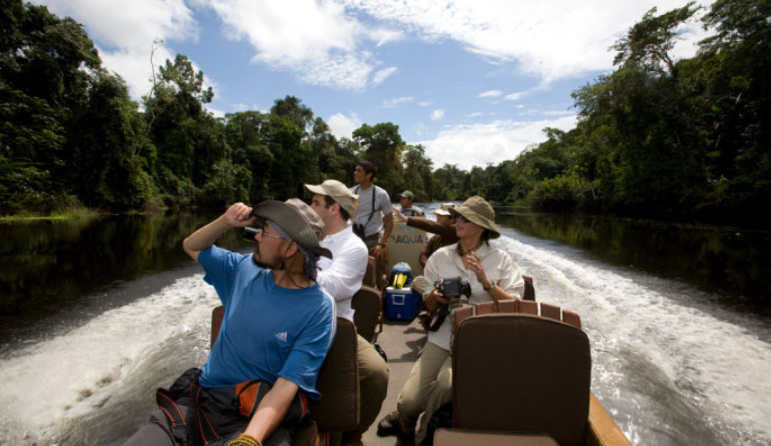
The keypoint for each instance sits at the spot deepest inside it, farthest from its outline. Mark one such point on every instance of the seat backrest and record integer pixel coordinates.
(367, 306)
(529, 288)
(462, 437)
(522, 373)
(369, 274)
(338, 380)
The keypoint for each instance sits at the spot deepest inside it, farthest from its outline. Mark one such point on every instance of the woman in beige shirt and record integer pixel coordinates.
(491, 275)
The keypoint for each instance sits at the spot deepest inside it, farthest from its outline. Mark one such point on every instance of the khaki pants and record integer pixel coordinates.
(428, 388)
(373, 382)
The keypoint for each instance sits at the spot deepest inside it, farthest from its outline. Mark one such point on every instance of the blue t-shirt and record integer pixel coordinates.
(268, 331)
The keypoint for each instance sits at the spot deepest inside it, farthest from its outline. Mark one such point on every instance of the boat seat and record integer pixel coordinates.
(369, 274)
(465, 437)
(531, 379)
(339, 408)
(368, 311)
(529, 288)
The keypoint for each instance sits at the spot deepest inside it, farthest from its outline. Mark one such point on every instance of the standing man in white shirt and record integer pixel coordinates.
(374, 215)
(342, 278)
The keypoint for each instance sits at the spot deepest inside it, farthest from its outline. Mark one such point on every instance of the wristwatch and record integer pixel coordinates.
(490, 285)
(382, 245)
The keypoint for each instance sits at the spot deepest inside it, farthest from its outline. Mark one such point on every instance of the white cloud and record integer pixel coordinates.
(490, 94)
(494, 142)
(393, 103)
(383, 74)
(126, 31)
(317, 41)
(343, 126)
(549, 40)
(437, 114)
(336, 43)
(514, 96)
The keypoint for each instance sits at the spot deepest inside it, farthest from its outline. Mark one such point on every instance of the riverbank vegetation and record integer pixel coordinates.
(656, 137)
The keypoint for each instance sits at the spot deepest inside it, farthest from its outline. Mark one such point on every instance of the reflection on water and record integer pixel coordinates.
(46, 266)
(735, 263)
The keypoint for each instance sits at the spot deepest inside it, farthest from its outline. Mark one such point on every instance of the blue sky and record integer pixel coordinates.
(473, 81)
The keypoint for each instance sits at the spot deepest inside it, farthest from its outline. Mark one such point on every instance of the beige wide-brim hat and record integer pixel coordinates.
(338, 192)
(478, 211)
(301, 223)
(444, 209)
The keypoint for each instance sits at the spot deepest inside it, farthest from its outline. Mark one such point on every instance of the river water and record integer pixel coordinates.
(97, 314)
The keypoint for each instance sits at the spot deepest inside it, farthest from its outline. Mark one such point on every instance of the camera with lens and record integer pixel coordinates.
(454, 287)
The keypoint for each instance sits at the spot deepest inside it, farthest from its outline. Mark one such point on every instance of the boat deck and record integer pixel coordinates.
(401, 341)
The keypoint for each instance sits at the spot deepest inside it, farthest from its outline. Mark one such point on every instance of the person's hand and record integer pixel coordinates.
(239, 215)
(399, 217)
(434, 299)
(473, 263)
(379, 251)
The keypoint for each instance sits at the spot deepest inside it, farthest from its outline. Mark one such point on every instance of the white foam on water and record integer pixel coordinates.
(70, 375)
(715, 363)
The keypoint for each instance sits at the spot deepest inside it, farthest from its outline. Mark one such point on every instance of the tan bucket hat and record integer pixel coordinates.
(300, 222)
(478, 211)
(444, 209)
(338, 192)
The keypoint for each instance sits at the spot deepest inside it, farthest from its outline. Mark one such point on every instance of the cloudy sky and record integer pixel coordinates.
(474, 81)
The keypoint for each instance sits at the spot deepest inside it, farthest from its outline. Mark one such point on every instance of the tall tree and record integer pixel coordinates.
(44, 79)
(293, 109)
(649, 42)
(383, 145)
(417, 173)
(181, 131)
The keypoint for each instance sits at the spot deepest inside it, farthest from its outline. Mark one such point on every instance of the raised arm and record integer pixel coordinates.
(237, 215)
(431, 226)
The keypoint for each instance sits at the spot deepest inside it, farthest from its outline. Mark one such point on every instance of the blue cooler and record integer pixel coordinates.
(402, 304)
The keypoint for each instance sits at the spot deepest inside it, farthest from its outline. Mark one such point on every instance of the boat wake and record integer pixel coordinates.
(82, 386)
(669, 366)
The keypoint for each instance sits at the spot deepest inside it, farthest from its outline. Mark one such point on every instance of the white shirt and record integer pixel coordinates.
(446, 263)
(342, 275)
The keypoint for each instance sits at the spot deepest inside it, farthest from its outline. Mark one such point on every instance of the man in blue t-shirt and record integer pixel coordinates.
(278, 327)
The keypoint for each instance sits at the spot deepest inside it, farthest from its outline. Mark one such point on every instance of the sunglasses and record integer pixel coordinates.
(461, 218)
(251, 233)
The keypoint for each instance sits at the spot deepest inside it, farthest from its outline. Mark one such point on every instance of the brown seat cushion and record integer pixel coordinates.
(366, 304)
(338, 382)
(522, 373)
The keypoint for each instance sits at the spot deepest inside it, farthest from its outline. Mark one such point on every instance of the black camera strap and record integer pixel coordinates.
(434, 320)
(372, 212)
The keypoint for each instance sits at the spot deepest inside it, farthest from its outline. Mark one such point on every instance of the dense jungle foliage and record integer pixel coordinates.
(656, 137)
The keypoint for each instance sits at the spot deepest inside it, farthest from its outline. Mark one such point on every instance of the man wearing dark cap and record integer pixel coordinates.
(341, 276)
(277, 329)
(405, 201)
